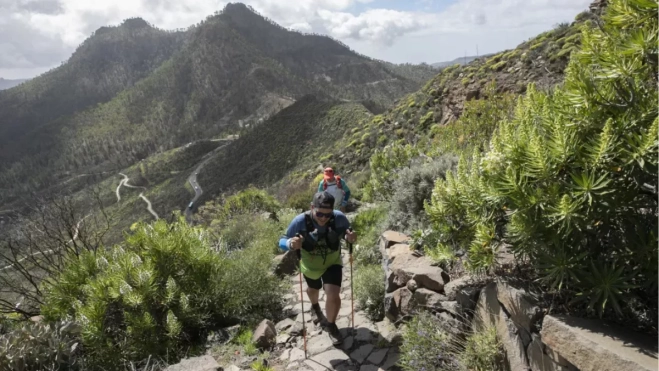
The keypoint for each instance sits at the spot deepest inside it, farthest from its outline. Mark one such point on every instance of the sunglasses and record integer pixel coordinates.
(323, 215)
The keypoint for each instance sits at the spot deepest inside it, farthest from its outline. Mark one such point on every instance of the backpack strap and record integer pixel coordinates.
(338, 182)
(332, 224)
(308, 222)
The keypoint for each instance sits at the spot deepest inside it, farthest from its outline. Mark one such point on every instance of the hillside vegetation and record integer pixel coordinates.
(563, 177)
(131, 91)
(306, 132)
(558, 167)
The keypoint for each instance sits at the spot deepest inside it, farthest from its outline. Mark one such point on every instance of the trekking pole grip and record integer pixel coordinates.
(298, 252)
(349, 243)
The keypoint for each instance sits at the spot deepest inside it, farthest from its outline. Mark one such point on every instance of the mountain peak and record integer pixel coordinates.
(135, 23)
(240, 10)
(237, 7)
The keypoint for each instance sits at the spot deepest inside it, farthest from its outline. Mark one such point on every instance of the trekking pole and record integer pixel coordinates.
(304, 324)
(352, 299)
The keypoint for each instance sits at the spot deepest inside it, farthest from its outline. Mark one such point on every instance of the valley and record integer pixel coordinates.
(505, 205)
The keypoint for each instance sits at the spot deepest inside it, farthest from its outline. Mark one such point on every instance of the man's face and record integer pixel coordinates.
(321, 215)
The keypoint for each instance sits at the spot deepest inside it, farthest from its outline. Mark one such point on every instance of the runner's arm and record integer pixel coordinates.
(293, 229)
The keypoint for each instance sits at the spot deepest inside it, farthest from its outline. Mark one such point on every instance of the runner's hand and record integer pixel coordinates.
(296, 242)
(351, 236)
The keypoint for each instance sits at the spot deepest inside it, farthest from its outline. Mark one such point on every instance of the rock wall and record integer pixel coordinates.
(531, 339)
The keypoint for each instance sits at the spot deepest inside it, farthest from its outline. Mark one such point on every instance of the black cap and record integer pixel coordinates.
(323, 200)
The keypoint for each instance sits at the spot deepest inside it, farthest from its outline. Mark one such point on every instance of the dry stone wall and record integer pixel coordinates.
(532, 340)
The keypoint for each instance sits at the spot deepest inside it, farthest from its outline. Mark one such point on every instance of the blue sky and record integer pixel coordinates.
(37, 35)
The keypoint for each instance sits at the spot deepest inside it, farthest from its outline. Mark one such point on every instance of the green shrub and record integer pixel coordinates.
(426, 120)
(426, 346)
(159, 293)
(476, 124)
(242, 230)
(383, 165)
(368, 225)
(40, 346)
(366, 254)
(498, 66)
(259, 366)
(483, 351)
(244, 339)
(301, 199)
(369, 290)
(249, 200)
(568, 181)
(412, 190)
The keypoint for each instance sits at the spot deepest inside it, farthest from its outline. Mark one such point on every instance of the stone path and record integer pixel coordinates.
(370, 348)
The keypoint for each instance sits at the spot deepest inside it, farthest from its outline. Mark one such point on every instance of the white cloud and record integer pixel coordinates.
(378, 25)
(466, 15)
(302, 27)
(41, 33)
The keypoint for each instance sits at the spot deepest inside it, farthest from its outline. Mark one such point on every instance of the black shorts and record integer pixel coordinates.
(333, 276)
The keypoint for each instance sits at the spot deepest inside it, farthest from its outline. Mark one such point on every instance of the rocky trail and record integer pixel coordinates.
(368, 348)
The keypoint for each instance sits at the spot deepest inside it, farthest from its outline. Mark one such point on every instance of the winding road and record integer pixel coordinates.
(124, 182)
(192, 179)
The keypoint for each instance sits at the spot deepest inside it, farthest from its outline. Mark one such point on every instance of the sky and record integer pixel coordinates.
(37, 35)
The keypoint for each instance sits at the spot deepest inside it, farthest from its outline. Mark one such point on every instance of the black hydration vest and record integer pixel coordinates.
(329, 241)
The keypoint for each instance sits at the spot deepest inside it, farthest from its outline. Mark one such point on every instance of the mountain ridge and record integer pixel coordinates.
(10, 83)
(231, 71)
(460, 60)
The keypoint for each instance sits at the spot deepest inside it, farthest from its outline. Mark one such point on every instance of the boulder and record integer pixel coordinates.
(451, 307)
(296, 329)
(489, 313)
(596, 345)
(401, 251)
(449, 324)
(284, 325)
(388, 331)
(401, 277)
(286, 264)
(519, 304)
(538, 360)
(452, 288)
(204, 363)
(427, 298)
(466, 298)
(429, 277)
(282, 338)
(391, 310)
(402, 298)
(412, 285)
(391, 282)
(406, 266)
(390, 238)
(402, 265)
(265, 334)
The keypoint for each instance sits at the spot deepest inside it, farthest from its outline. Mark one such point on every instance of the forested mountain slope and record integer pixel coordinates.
(132, 91)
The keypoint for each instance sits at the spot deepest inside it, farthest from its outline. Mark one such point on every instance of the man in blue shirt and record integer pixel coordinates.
(317, 234)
